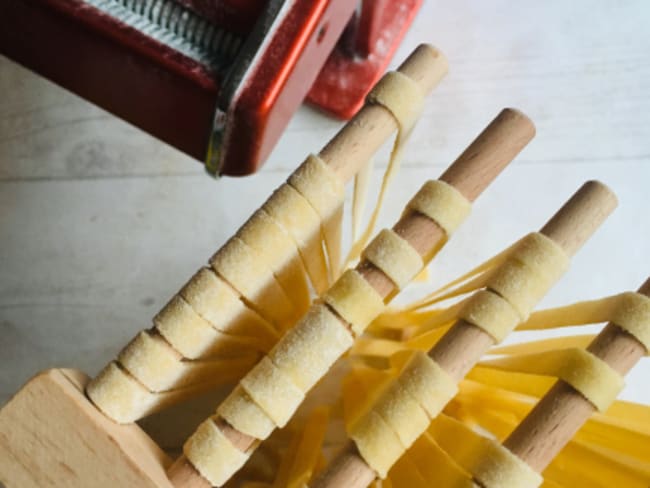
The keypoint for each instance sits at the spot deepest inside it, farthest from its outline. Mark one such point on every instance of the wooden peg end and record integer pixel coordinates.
(579, 217)
(490, 153)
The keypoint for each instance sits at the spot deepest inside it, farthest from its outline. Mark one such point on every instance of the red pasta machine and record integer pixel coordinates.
(217, 79)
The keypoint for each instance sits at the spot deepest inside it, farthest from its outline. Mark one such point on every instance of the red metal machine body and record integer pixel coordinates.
(218, 79)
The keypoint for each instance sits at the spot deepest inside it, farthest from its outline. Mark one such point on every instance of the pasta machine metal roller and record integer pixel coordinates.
(217, 79)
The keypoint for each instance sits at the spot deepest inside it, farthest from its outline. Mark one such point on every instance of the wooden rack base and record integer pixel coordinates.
(52, 435)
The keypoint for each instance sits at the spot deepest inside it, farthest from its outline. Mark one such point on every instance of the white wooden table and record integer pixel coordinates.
(100, 224)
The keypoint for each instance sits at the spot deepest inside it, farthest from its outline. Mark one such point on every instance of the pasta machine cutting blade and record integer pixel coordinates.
(217, 79)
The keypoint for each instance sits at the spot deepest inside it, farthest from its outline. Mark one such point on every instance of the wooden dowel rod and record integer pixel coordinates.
(579, 218)
(351, 148)
(464, 344)
(471, 173)
(346, 153)
(556, 418)
(500, 141)
(359, 139)
(490, 157)
(183, 474)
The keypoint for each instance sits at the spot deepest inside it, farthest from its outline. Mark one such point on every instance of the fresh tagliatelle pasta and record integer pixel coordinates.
(213, 453)
(403, 98)
(586, 373)
(405, 408)
(495, 309)
(226, 315)
(442, 203)
(394, 256)
(259, 283)
(390, 418)
(354, 300)
(278, 308)
(412, 393)
(492, 465)
(316, 181)
(302, 357)
(292, 210)
(305, 354)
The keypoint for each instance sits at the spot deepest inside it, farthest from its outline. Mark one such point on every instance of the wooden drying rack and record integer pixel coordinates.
(56, 436)
(51, 434)
(471, 173)
(563, 410)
